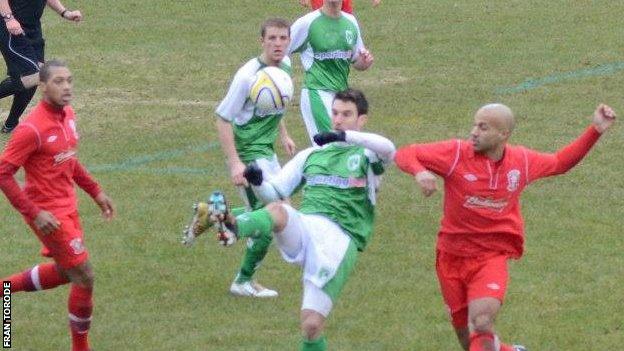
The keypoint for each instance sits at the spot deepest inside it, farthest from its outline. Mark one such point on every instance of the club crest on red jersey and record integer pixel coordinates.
(513, 180)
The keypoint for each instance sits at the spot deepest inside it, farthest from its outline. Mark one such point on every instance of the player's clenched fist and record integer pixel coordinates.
(427, 182)
(603, 118)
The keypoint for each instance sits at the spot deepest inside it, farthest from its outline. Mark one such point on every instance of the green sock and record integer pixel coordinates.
(318, 344)
(254, 254)
(256, 224)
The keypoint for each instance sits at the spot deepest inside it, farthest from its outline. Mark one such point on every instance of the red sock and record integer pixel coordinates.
(40, 277)
(505, 347)
(80, 305)
(482, 342)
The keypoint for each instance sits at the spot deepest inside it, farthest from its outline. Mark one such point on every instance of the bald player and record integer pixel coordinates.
(482, 227)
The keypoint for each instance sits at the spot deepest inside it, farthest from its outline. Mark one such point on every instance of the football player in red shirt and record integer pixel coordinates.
(45, 146)
(347, 5)
(482, 226)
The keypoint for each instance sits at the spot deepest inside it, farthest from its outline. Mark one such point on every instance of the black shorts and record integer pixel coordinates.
(22, 53)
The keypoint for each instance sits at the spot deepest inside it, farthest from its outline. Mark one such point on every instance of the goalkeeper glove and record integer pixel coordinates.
(329, 137)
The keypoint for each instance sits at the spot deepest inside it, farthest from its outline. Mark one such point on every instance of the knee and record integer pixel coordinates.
(85, 277)
(312, 328)
(276, 209)
(278, 214)
(482, 322)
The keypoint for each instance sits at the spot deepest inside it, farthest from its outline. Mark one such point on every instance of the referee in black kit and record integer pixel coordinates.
(22, 45)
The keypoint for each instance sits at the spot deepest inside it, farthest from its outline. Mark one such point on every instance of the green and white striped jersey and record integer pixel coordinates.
(327, 46)
(339, 181)
(255, 131)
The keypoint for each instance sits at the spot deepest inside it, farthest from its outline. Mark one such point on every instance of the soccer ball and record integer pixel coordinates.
(271, 90)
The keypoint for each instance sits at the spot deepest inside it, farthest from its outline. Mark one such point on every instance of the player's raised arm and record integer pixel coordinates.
(382, 146)
(603, 118)
(546, 164)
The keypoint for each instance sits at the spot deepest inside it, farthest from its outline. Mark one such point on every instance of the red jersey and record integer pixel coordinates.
(45, 145)
(346, 5)
(481, 197)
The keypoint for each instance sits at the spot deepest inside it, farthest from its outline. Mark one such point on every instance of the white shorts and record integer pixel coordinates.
(315, 299)
(320, 246)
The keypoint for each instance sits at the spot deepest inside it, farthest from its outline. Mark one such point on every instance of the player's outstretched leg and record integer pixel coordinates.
(198, 225)
(41, 277)
(256, 224)
(205, 215)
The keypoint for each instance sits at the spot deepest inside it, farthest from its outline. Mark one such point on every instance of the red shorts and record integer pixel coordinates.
(65, 245)
(464, 279)
(346, 5)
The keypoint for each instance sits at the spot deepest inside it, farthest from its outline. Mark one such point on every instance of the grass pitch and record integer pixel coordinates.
(148, 75)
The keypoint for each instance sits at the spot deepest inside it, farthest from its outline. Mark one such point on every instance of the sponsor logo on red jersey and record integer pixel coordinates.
(63, 156)
(497, 205)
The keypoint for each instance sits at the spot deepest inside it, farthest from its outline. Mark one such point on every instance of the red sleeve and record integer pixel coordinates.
(23, 142)
(14, 193)
(85, 181)
(440, 157)
(542, 165)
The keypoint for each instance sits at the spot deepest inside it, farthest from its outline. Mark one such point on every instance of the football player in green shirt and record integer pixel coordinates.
(247, 134)
(329, 42)
(335, 220)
